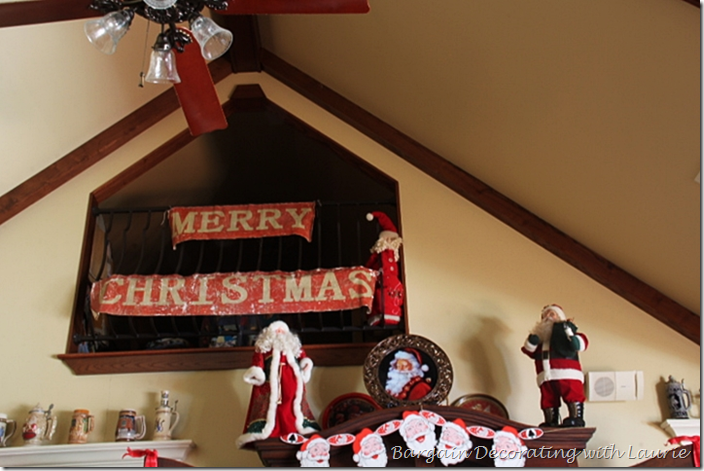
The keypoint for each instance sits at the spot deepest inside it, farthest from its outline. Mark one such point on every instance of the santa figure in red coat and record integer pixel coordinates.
(388, 293)
(554, 344)
(280, 369)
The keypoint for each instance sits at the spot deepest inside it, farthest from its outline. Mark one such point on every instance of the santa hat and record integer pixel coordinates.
(412, 415)
(457, 423)
(556, 309)
(412, 356)
(357, 445)
(388, 229)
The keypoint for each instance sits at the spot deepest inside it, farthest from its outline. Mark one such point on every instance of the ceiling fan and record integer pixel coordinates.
(187, 38)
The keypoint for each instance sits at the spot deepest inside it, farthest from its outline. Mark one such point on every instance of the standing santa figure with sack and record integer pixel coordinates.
(279, 371)
(388, 293)
(554, 344)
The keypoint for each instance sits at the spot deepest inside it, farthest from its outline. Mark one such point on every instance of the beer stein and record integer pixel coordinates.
(7, 429)
(39, 427)
(679, 399)
(130, 426)
(166, 418)
(82, 423)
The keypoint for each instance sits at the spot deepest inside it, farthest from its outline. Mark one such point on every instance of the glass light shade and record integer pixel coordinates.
(104, 33)
(162, 64)
(214, 41)
(160, 4)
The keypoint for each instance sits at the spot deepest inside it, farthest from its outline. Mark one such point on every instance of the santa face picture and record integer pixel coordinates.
(370, 451)
(410, 375)
(509, 449)
(315, 454)
(454, 443)
(419, 433)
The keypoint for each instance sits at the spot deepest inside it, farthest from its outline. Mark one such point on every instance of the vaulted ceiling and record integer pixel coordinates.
(585, 116)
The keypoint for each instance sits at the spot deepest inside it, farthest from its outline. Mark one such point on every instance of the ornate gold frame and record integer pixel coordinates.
(380, 356)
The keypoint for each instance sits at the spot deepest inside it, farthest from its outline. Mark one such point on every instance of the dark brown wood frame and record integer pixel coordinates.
(244, 98)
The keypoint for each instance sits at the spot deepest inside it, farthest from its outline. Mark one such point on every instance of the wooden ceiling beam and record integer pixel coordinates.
(49, 11)
(96, 149)
(506, 210)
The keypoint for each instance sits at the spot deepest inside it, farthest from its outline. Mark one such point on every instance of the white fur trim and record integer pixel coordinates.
(529, 346)
(306, 369)
(560, 373)
(582, 344)
(254, 375)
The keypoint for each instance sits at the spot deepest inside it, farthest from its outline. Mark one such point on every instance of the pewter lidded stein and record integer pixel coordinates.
(39, 426)
(679, 399)
(166, 418)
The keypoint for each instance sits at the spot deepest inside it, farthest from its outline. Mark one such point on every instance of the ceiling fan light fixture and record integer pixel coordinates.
(104, 33)
(214, 40)
(160, 4)
(162, 63)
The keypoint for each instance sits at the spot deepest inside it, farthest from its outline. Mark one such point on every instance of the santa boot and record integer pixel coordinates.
(552, 417)
(576, 418)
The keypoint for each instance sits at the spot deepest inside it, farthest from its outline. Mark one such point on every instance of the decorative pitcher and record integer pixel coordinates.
(166, 418)
(39, 427)
(679, 399)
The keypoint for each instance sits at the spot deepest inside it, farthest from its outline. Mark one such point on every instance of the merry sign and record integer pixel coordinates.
(226, 294)
(239, 222)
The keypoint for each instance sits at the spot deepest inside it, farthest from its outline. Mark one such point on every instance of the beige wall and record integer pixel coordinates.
(474, 287)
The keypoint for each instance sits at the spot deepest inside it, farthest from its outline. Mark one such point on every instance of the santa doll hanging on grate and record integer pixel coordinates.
(388, 293)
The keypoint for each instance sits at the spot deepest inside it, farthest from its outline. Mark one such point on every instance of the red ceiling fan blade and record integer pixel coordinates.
(196, 92)
(262, 7)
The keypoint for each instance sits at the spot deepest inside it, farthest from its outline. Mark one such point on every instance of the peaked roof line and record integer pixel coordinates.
(506, 210)
(584, 259)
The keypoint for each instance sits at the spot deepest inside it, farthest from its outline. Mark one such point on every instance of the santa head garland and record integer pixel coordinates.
(509, 450)
(315, 451)
(418, 430)
(369, 450)
(388, 237)
(454, 443)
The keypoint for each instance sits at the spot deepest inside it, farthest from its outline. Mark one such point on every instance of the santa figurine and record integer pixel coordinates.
(388, 293)
(554, 344)
(280, 369)
(406, 379)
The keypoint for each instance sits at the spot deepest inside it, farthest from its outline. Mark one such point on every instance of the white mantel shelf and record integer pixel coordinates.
(682, 427)
(91, 455)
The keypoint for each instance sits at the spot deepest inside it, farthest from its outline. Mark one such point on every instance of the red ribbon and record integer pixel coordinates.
(695, 445)
(150, 457)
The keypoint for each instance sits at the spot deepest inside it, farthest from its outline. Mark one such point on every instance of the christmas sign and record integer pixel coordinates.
(226, 294)
(240, 222)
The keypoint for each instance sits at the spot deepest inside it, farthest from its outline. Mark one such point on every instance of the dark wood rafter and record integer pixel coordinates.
(49, 11)
(581, 257)
(78, 160)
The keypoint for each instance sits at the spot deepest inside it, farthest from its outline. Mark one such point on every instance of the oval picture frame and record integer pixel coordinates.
(437, 375)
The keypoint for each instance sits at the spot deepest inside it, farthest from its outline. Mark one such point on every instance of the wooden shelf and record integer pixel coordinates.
(201, 359)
